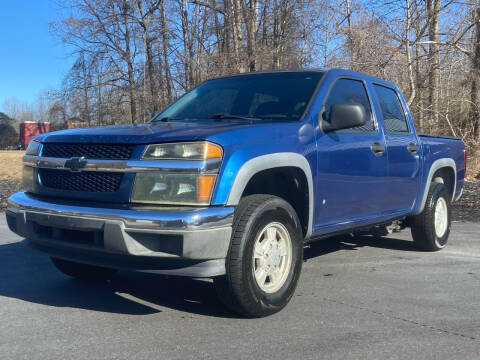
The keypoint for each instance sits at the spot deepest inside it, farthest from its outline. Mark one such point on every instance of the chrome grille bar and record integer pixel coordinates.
(208, 166)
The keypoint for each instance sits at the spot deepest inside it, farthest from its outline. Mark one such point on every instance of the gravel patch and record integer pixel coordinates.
(466, 209)
(8, 187)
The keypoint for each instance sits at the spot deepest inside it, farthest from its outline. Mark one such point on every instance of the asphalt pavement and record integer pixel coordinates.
(358, 298)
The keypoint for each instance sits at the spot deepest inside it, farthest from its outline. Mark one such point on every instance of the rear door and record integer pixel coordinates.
(403, 150)
(352, 164)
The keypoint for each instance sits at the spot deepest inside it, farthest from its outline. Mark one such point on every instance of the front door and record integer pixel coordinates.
(351, 182)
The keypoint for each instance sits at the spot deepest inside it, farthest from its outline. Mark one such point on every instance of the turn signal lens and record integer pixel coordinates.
(212, 151)
(205, 187)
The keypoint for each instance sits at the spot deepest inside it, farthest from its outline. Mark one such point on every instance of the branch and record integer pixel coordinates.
(449, 43)
(200, 3)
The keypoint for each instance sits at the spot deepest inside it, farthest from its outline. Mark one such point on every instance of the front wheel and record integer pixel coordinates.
(265, 257)
(431, 228)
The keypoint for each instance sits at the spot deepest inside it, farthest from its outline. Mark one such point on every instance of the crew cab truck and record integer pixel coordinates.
(234, 178)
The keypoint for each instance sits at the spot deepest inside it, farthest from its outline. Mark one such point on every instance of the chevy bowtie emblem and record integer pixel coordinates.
(75, 163)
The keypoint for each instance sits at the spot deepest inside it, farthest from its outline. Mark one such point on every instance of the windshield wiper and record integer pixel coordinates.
(167, 119)
(229, 116)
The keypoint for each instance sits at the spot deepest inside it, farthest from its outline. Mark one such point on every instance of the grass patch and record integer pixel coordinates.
(11, 165)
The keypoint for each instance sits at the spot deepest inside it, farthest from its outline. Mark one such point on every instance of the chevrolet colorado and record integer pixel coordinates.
(232, 179)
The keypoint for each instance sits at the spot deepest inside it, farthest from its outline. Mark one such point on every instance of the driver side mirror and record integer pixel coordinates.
(344, 116)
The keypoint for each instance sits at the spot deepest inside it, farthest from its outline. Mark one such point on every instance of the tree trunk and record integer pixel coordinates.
(130, 71)
(250, 14)
(227, 27)
(186, 42)
(85, 86)
(99, 101)
(218, 34)
(276, 36)
(161, 80)
(418, 75)
(475, 75)
(350, 40)
(411, 78)
(150, 69)
(433, 14)
(166, 65)
(237, 33)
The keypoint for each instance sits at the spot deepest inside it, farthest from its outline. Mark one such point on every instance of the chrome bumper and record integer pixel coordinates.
(177, 241)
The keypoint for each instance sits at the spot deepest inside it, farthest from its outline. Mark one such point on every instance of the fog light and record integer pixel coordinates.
(28, 178)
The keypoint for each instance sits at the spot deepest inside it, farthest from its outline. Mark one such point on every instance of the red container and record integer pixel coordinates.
(30, 129)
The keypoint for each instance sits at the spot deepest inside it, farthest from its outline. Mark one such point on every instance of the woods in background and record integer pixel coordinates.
(134, 57)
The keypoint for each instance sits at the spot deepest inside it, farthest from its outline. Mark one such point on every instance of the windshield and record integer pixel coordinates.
(281, 96)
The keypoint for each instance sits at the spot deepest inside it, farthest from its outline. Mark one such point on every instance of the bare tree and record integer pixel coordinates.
(475, 76)
(147, 10)
(433, 15)
(139, 55)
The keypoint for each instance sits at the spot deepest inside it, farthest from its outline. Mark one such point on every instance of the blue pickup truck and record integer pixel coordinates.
(234, 178)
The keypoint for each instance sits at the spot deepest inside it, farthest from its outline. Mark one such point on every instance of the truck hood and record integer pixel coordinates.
(155, 132)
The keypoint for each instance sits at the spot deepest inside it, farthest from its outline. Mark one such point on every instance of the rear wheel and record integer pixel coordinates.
(265, 257)
(83, 271)
(431, 228)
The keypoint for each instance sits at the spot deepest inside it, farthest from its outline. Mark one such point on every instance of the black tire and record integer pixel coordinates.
(238, 290)
(83, 271)
(423, 225)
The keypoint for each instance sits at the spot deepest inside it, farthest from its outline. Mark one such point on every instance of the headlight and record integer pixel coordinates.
(173, 188)
(33, 148)
(183, 151)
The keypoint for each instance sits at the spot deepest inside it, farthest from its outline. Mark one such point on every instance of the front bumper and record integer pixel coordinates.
(174, 241)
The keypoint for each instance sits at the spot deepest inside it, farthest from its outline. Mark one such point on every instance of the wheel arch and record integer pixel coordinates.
(443, 170)
(275, 161)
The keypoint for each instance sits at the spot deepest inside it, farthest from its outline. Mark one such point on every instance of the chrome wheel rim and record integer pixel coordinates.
(272, 257)
(441, 217)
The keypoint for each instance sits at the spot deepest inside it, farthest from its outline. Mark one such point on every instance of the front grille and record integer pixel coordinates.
(89, 151)
(105, 182)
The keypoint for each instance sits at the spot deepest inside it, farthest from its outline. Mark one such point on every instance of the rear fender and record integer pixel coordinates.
(437, 165)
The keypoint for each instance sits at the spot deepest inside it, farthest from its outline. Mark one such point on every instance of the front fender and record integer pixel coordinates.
(253, 166)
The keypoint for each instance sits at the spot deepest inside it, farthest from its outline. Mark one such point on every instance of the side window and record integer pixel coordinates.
(349, 91)
(392, 112)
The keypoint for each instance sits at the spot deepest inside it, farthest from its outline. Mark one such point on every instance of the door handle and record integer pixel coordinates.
(413, 148)
(377, 148)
